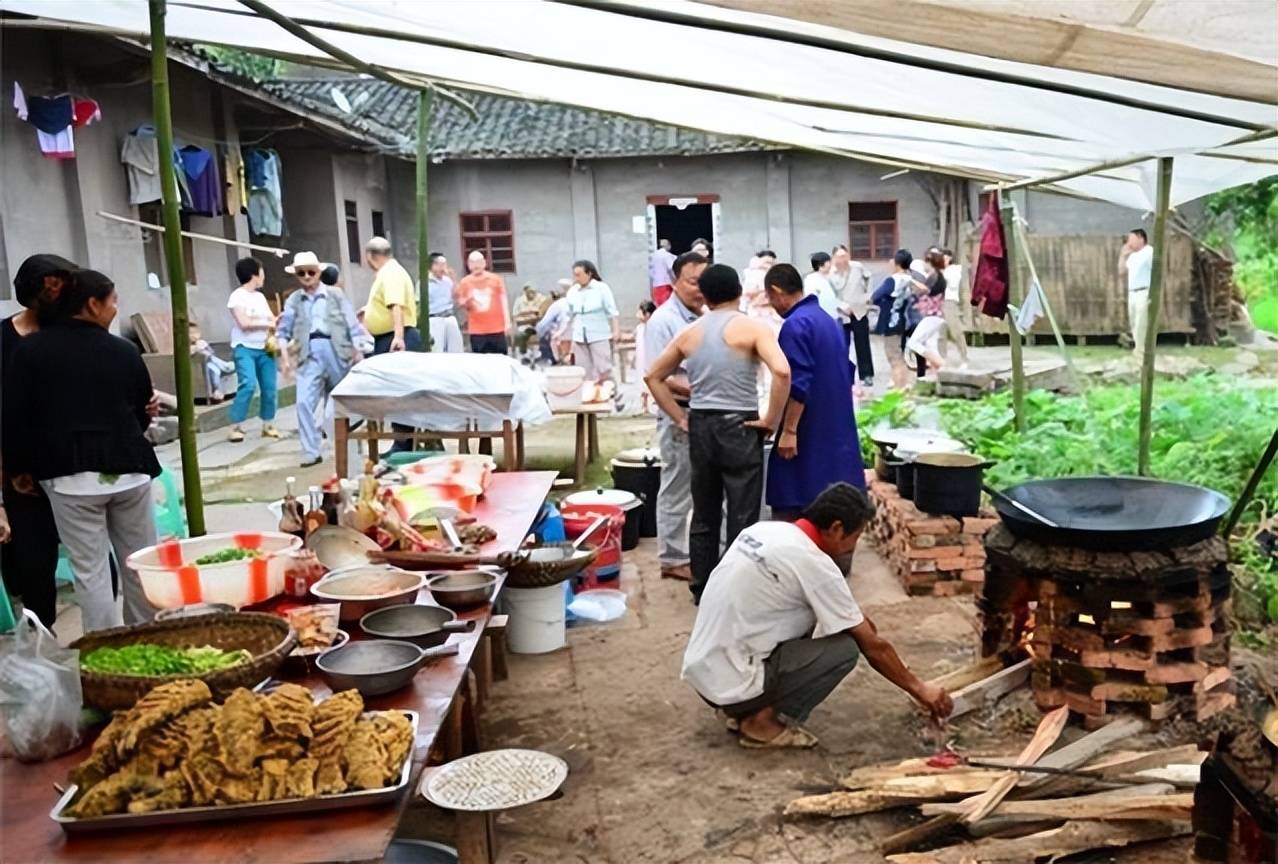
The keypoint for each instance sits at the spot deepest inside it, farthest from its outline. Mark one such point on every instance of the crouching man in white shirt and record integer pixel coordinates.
(778, 627)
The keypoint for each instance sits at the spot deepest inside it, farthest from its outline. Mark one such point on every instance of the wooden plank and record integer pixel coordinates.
(1049, 729)
(960, 678)
(1079, 752)
(1071, 838)
(990, 689)
(1163, 807)
(868, 776)
(900, 792)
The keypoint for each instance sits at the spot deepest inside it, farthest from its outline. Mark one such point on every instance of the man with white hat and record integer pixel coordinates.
(320, 326)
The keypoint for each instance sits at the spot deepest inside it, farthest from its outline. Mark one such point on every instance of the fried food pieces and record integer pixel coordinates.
(333, 722)
(177, 748)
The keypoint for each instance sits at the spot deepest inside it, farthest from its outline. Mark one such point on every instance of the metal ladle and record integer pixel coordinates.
(1012, 502)
(445, 515)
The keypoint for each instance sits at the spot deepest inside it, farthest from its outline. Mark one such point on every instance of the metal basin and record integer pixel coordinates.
(337, 546)
(376, 666)
(424, 626)
(1114, 513)
(362, 589)
(462, 589)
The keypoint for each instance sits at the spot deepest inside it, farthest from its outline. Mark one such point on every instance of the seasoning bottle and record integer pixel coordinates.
(332, 502)
(291, 518)
(314, 517)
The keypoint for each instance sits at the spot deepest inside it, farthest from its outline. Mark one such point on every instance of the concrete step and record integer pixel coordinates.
(210, 417)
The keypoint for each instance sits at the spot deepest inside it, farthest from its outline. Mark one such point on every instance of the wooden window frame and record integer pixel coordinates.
(875, 225)
(350, 218)
(487, 238)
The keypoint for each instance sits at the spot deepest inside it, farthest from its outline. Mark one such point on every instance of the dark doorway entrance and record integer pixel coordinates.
(682, 226)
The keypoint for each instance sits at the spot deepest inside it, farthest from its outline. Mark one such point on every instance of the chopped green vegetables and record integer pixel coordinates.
(223, 555)
(146, 659)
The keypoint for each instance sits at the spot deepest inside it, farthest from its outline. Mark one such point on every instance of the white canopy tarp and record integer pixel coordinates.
(855, 95)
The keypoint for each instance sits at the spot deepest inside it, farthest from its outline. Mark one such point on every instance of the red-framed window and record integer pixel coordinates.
(872, 230)
(493, 233)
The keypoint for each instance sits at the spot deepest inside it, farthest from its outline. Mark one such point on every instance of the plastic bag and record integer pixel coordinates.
(600, 605)
(40, 698)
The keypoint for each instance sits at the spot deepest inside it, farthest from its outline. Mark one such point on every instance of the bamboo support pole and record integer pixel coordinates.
(195, 235)
(1155, 305)
(1013, 334)
(424, 105)
(1266, 459)
(163, 120)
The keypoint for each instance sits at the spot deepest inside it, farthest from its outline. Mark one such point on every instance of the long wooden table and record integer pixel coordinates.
(438, 693)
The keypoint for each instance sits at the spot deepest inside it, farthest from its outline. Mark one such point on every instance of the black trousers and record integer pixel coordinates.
(857, 334)
(381, 345)
(488, 343)
(919, 362)
(727, 463)
(30, 558)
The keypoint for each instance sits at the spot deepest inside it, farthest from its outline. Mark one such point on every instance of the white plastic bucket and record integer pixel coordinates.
(536, 624)
(563, 386)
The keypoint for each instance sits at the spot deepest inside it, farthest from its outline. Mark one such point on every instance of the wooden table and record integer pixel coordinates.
(439, 693)
(587, 447)
(373, 432)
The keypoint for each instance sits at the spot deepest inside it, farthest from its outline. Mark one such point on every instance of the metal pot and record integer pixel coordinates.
(376, 666)
(904, 476)
(462, 589)
(629, 503)
(338, 587)
(948, 484)
(424, 626)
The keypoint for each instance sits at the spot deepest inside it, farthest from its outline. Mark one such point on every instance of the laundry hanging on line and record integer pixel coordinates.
(265, 198)
(991, 279)
(139, 154)
(55, 118)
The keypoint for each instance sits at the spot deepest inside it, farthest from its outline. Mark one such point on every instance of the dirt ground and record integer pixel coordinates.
(654, 777)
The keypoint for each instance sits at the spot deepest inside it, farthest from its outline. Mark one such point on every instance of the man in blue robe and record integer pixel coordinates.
(817, 443)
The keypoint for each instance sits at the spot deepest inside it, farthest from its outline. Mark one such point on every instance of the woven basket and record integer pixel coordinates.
(268, 638)
(523, 573)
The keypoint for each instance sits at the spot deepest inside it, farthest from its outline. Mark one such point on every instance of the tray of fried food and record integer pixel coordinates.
(178, 757)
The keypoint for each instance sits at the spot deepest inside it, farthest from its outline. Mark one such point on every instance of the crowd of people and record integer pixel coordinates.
(777, 627)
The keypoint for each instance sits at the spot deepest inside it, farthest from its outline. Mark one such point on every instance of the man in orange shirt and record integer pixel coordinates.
(484, 296)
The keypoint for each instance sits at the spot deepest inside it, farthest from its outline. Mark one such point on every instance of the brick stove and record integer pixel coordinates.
(938, 555)
(1113, 632)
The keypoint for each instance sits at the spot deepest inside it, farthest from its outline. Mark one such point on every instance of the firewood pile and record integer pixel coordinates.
(938, 555)
(1047, 802)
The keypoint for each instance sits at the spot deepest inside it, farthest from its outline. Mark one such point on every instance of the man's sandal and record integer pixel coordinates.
(794, 738)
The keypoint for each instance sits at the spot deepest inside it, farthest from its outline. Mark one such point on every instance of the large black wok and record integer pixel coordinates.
(1120, 514)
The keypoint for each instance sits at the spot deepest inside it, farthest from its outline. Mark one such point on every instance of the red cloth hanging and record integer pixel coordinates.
(990, 281)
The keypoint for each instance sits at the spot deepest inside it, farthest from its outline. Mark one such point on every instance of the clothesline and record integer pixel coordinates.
(274, 250)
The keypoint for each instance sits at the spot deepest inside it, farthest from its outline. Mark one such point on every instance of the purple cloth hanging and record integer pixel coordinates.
(201, 175)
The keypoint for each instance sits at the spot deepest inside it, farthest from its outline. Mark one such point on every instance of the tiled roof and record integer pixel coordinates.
(508, 128)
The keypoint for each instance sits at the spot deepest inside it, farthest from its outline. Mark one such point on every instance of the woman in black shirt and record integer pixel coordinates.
(83, 397)
(29, 558)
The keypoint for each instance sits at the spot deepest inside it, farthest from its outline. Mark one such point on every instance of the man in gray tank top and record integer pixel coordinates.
(722, 352)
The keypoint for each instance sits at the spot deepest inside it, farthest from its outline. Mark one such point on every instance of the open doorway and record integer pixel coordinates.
(682, 220)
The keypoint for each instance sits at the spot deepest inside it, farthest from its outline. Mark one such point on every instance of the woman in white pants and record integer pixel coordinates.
(925, 341)
(86, 400)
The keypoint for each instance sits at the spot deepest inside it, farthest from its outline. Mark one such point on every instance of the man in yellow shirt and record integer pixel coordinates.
(391, 313)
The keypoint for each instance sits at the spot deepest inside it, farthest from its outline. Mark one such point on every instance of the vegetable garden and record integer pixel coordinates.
(1207, 430)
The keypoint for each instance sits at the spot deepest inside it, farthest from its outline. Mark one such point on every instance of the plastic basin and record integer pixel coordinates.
(171, 578)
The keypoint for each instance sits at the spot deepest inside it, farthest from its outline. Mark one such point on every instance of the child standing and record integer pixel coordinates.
(646, 308)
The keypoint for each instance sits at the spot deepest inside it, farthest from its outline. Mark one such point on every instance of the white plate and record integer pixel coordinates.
(495, 780)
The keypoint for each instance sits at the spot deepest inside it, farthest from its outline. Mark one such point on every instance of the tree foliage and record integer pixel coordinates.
(244, 63)
(1246, 220)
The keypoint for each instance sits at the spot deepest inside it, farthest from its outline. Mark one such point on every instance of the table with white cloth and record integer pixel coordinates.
(441, 396)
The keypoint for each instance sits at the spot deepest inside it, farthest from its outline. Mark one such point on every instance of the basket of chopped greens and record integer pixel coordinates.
(225, 650)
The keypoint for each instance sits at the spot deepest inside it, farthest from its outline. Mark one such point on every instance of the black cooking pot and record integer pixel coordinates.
(948, 484)
(904, 477)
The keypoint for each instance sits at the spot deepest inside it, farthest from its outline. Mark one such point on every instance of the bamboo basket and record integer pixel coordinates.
(268, 638)
(525, 573)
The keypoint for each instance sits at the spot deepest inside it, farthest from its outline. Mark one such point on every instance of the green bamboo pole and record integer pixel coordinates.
(1155, 304)
(423, 241)
(177, 277)
(1014, 335)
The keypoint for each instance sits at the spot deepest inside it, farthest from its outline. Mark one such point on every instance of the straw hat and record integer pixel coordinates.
(304, 259)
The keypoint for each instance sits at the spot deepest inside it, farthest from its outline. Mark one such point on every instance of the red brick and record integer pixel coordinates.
(1131, 660)
(935, 552)
(1125, 691)
(1163, 710)
(959, 564)
(923, 541)
(1176, 639)
(976, 574)
(1047, 700)
(938, 525)
(1084, 704)
(1176, 673)
(1168, 608)
(977, 524)
(1127, 625)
